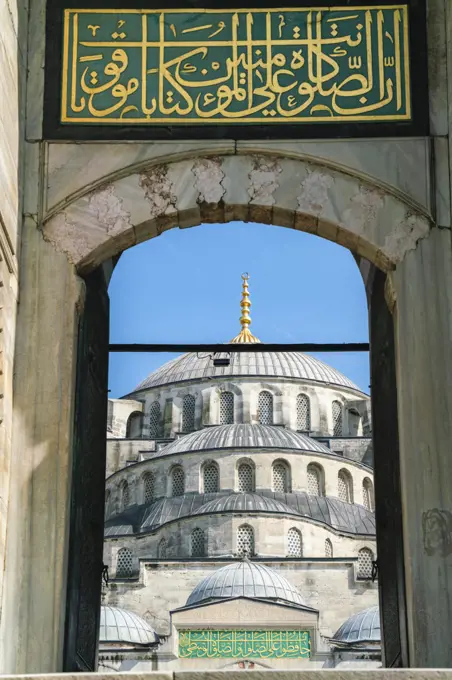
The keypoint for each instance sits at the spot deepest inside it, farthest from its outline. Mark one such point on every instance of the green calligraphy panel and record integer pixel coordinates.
(236, 66)
(244, 644)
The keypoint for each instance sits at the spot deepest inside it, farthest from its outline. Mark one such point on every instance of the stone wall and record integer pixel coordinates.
(13, 59)
(327, 585)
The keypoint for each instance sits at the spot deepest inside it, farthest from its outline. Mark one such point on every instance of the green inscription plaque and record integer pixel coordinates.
(244, 644)
(236, 66)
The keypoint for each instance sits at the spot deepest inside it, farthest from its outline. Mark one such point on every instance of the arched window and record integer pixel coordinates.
(303, 413)
(188, 413)
(265, 408)
(328, 548)
(337, 418)
(154, 420)
(211, 478)
(226, 408)
(281, 477)
(177, 481)
(365, 558)
(345, 486)
(368, 494)
(124, 563)
(245, 540)
(246, 478)
(315, 480)
(134, 426)
(125, 496)
(162, 550)
(294, 543)
(148, 487)
(198, 543)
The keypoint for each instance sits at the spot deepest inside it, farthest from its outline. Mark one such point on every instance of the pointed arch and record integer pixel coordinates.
(328, 548)
(281, 481)
(345, 486)
(154, 420)
(303, 413)
(316, 479)
(265, 408)
(246, 482)
(294, 543)
(188, 413)
(197, 543)
(177, 481)
(148, 484)
(124, 563)
(210, 478)
(336, 409)
(226, 408)
(368, 494)
(365, 559)
(245, 540)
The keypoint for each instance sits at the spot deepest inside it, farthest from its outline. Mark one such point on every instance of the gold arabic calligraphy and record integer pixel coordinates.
(149, 66)
(240, 644)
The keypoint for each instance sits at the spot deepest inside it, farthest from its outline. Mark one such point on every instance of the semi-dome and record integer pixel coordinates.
(121, 626)
(359, 629)
(292, 365)
(330, 511)
(245, 579)
(245, 502)
(244, 436)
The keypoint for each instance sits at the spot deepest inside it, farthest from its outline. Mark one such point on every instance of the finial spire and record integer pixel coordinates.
(245, 334)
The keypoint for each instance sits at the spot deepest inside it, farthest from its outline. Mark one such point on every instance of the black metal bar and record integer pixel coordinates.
(258, 347)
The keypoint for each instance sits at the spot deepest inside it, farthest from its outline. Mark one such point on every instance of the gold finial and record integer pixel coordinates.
(245, 334)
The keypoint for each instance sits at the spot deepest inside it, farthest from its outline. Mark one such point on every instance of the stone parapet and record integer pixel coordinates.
(329, 674)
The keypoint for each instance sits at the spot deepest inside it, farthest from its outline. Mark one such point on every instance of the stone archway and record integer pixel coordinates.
(373, 221)
(133, 204)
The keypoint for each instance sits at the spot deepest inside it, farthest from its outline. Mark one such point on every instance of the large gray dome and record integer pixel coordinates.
(244, 436)
(295, 365)
(245, 579)
(246, 502)
(119, 625)
(361, 628)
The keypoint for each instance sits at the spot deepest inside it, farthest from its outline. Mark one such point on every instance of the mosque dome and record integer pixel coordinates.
(243, 436)
(245, 579)
(121, 626)
(245, 502)
(291, 365)
(363, 627)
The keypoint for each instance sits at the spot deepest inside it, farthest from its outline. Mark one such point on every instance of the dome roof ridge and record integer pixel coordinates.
(243, 435)
(245, 579)
(285, 364)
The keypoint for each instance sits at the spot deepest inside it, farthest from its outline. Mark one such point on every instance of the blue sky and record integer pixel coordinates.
(185, 286)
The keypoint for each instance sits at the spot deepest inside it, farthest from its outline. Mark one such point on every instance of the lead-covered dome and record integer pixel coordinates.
(360, 629)
(245, 502)
(121, 626)
(244, 436)
(245, 579)
(292, 365)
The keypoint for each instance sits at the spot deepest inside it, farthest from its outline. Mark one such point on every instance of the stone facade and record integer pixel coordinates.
(60, 232)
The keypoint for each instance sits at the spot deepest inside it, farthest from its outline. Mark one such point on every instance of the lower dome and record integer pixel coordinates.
(119, 625)
(245, 502)
(363, 627)
(245, 579)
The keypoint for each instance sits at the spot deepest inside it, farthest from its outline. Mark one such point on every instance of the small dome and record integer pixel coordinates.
(245, 579)
(245, 436)
(120, 625)
(245, 502)
(292, 365)
(359, 628)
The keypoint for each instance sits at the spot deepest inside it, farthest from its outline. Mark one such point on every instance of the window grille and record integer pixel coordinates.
(314, 487)
(365, 557)
(294, 543)
(154, 420)
(177, 482)
(226, 408)
(344, 486)
(368, 494)
(303, 413)
(162, 550)
(245, 540)
(265, 408)
(280, 478)
(246, 478)
(337, 418)
(149, 487)
(198, 543)
(188, 413)
(124, 563)
(328, 548)
(211, 478)
(125, 496)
